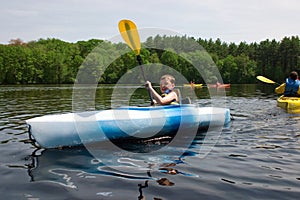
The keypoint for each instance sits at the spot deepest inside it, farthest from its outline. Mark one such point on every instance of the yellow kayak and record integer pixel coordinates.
(193, 85)
(290, 104)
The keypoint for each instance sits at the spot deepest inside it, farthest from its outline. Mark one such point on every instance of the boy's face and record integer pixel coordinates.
(166, 85)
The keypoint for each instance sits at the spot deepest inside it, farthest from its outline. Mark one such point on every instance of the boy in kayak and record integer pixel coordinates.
(167, 84)
(291, 86)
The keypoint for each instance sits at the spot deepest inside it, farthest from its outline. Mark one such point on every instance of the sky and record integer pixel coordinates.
(74, 20)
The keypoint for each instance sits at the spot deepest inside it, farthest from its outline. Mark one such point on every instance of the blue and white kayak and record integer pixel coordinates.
(72, 129)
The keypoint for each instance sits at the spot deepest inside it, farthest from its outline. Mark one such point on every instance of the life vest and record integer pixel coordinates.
(291, 87)
(173, 102)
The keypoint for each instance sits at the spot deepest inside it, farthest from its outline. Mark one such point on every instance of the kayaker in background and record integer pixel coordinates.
(169, 96)
(192, 83)
(291, 86)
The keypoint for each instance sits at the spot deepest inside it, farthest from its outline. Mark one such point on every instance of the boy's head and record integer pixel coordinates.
(294, 75)
(167, 82)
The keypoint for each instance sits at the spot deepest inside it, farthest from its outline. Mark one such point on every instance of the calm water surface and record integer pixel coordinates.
(257, 157)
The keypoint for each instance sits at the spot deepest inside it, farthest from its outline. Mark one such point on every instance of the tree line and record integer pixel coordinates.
(53, 61)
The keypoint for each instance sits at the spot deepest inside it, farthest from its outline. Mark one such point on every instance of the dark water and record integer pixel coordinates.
(257, 157)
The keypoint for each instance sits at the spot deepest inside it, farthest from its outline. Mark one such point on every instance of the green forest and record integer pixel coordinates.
(53, 61)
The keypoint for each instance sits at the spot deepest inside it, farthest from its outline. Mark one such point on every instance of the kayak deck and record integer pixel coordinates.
(290, 104)
(72, 129)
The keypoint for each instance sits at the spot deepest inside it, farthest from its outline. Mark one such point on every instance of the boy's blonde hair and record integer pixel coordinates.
(168, 77)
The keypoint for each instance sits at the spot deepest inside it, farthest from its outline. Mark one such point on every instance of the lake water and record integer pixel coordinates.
(256, 157)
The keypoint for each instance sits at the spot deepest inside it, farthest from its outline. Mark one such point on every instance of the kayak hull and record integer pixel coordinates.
(290, 104)
(72, 129)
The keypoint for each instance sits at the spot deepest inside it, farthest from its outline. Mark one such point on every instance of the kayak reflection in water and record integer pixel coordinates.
(291, 86)
(167, 85)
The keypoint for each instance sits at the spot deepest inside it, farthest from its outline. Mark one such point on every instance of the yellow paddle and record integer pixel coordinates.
(266, 80)
(131, 36)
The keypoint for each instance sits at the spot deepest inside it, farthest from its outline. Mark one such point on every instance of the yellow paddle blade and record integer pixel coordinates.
(130, 35)
(264, 79)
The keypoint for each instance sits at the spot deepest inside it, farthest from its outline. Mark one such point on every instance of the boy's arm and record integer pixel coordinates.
(161, 100)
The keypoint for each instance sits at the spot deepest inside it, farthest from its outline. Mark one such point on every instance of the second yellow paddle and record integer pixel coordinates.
(266, 80)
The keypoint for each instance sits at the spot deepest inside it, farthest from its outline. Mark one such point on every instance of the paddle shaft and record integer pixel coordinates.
(139, 59)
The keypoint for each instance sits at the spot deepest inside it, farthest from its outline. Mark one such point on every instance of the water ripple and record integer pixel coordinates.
(257, 157)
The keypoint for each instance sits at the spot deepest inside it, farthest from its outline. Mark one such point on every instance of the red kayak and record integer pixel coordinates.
(218, 85)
